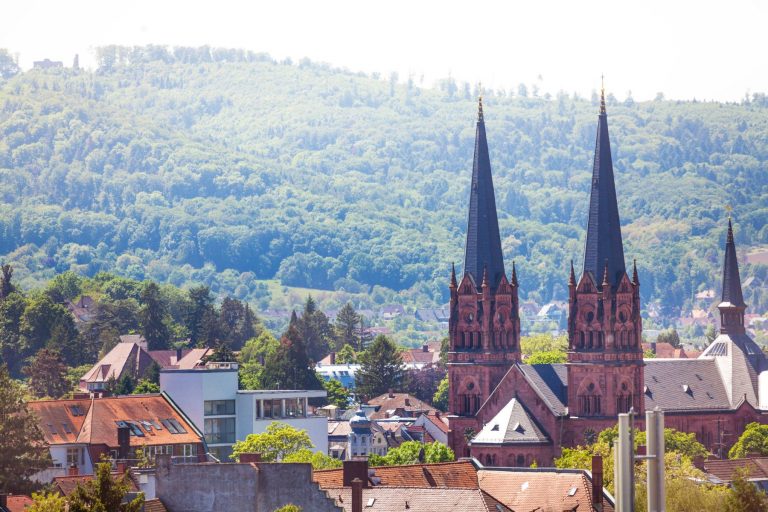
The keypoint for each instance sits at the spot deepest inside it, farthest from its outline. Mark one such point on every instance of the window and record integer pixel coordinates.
(74, 457)
(294, 407)
(220, 430)
(273, 408)
(219, 407)
(257, 409)
(190, 450)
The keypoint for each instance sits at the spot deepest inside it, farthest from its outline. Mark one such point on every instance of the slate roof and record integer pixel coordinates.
(603, 241)
(731, 281)
(540, 490)
(550, 382)
(740, 361)
(483, 248)
(397, 499)
(684, 385)
(459, 474)
(513, 424)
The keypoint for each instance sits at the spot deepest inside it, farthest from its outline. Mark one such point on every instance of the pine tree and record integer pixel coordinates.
(152, 317)
(202, 321)
(21, 442)
(6, 286)
(346, 327)
(381, 368)
(315, 330)
(288, 367)
(47, 374)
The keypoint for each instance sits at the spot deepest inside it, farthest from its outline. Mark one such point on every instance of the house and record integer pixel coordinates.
(435, 424)
(131, 357)
(466, 485)
(723, 471)
(209, 395)
(664, 350)
(80, 431)
(47, 64)
(423, 355)
(66, 485)
(391, 311)
(84, 310)
(398, 405)
(14, 503)
(434, 315)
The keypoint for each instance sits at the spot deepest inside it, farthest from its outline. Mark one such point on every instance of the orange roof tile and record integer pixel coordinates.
(66, 485)
(538, 490)
(724, 469)
(460, 474)
(154, 506)
(19, 503)
(391, 402)
(98, 425)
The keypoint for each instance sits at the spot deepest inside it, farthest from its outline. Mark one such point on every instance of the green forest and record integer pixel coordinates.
(227, 168)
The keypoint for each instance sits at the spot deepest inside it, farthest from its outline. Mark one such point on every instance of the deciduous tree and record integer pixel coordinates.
(381, 368)
(274, 444)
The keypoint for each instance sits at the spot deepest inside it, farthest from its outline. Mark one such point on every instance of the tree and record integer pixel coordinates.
(346, 327)
(546, 357)
(152, 317)
(381, 368)
(144, 387)
(47, 374)
(12, 352)
(423, 383)
(289, 508)
(8, 65)
(754, 439)
(6, 286)
(319, 460)
(315, 330)
(530, 345)
(47, 323)
(123, 386)
(669, 336)
(104, 493)
(237, 323)
(338, 395)
(440, 400)
(274, 444)
(222, 354)
(288, 367)
(201, 317)
(346, 355)
(745, 496)
(710, 334)
(414, 452)
(48, 502)
(65, 286)
(22, 445)
(252, 358)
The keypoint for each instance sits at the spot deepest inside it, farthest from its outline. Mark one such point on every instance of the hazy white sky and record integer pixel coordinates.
(704, 49)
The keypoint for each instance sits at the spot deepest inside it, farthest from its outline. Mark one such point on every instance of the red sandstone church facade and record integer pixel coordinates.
(507, 413)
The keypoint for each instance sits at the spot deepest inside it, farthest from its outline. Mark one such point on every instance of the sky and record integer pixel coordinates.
(708, 50)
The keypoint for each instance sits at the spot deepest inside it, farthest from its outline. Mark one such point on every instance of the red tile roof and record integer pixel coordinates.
(97, 424)
(460, 474)
(397, 499)
(388, 403)
(19, 503)
(724, 469)
(439, 421)
(154, 506)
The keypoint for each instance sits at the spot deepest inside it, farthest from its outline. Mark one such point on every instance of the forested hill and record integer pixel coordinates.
(226, 167)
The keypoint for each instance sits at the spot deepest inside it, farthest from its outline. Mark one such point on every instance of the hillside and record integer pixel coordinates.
(228, 168)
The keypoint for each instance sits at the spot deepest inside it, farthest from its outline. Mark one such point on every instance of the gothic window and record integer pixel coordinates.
(581, 339)
(590, 401)
(521, 460)
(624, 398)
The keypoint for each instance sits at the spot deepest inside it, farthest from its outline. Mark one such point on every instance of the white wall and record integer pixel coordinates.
(189, 389)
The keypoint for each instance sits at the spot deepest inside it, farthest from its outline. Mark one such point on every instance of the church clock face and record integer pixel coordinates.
(470, 386)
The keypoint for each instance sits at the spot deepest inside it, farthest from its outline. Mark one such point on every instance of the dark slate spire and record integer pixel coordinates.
(483, 250)
(603, 231)
(731, 281)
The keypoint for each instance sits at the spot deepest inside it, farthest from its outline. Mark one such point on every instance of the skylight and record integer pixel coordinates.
(572, 491)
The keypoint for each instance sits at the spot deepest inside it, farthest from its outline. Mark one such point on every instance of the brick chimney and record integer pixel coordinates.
(179, 355)
(120, 467)
(425, 348)
(357, 495)
(332, 357)
(248, 458)
(355, 468)
(72, 470)
(391, 393)
(408, 402)
(597, 481)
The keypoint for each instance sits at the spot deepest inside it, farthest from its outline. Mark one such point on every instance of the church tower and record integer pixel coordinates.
(484, 325)
(605, 356)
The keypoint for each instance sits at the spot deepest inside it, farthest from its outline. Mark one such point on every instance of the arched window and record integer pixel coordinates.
(590, 403)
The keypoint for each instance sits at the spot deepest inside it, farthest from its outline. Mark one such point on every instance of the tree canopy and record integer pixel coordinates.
(278, 441)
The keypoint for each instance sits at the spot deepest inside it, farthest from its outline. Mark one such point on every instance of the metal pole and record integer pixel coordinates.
(651, 426)
(661, 450)
(624, 478)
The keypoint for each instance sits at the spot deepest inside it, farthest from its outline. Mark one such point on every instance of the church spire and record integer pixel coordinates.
(603, 230)
(483, 249)
(731, 281)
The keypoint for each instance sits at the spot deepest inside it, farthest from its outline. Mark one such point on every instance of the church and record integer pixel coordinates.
(507, 413)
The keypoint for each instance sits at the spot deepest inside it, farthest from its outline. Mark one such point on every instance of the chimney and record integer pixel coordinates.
(332, 357)
(248, 458)
(72, 471)
(653, 347)
(408, 402)
(391, 393)
(179, 354)
(597, 481)
(123, 442)
(425, 348)
(355, 469)
(357, 495)
(120, 467)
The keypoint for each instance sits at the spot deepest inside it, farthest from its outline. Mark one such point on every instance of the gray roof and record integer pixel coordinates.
(684, 385)
(550, 381)
(513, 424)
(740, 361)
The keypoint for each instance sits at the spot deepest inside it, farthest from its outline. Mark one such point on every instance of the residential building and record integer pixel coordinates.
(80, 431)
(210, 397)
(507, 413)
(14, 503)
(398, 405)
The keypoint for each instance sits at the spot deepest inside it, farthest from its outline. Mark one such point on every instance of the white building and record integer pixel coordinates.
(210, 398)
